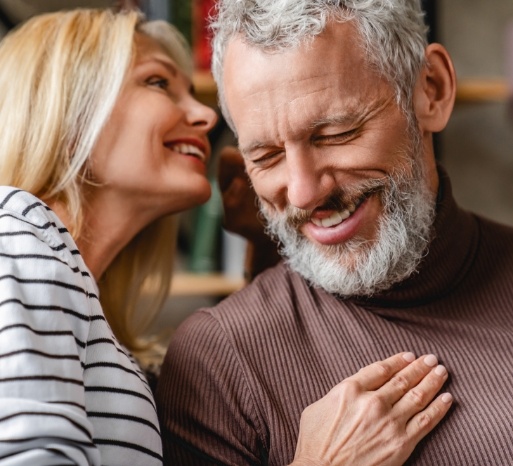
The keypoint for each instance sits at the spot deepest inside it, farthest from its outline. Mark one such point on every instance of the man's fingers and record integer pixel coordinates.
(422, 423)
(375, 375)
(406, 379)
(233, 195)
(419, 396)
(231, 165)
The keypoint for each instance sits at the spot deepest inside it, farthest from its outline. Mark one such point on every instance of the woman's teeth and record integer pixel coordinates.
(188, 149)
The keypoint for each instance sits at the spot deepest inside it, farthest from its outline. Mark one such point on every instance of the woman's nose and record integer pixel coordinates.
(201, 115)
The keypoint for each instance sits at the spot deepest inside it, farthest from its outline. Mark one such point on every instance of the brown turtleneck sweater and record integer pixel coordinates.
(237, 377)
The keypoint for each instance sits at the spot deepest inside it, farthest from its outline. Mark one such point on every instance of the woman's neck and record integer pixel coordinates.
(108, 226)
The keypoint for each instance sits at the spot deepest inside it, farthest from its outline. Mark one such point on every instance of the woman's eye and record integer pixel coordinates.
(161, 83)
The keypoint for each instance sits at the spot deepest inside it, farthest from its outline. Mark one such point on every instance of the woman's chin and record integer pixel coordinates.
(191, 199)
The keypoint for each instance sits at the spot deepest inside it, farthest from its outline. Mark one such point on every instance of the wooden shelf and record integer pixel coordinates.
(193, 284)
(482, 90)
(205, 88)
(204, 82)
(468, 89)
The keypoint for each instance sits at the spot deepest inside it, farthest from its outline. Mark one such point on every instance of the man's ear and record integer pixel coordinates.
(435, 90)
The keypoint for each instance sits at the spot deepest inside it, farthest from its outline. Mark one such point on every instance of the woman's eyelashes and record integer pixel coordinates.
(158, 81)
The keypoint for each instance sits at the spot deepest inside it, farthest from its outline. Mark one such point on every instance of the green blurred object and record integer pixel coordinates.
(205, 253)
(181, 17)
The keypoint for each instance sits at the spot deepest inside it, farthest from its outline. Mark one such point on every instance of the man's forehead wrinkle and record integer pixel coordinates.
(273, 137)
(379, 104)
(271, 105)
(285, 126)
(355, 112)
(287, 85)
(306, 94)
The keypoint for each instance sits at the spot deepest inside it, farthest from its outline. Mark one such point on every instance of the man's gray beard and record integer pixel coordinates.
(359, 267)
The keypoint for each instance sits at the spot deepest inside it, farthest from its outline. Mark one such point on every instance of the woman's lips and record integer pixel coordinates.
(192, 150)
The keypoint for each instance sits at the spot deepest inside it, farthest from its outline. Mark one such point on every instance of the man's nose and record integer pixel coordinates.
(309, 183)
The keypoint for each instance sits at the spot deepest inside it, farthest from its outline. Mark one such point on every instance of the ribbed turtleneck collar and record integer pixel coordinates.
(450, 254)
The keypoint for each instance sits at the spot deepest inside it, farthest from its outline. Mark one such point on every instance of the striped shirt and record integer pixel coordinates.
(69, 392)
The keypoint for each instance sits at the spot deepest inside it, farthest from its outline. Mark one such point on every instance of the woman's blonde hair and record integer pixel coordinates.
(60, 76)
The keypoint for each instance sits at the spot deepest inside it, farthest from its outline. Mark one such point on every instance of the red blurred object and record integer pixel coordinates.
(202, 50)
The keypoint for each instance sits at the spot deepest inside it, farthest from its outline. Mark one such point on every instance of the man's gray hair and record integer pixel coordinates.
(393, 33)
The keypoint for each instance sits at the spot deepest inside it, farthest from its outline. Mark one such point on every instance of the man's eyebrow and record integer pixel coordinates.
(346, 118)
(253, 146)
(353, 115)
(349, 117)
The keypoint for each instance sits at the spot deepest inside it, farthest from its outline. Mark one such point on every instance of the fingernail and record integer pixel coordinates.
(430, 360)
(410, 357)
(440, 370)
(446, 397)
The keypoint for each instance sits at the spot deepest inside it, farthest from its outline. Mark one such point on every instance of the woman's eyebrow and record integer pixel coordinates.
(172, 69)
(161, 61)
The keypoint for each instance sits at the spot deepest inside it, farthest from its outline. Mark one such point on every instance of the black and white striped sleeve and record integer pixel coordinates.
(44, 324)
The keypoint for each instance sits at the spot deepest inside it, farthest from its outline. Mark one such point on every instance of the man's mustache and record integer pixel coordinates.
(339, 200)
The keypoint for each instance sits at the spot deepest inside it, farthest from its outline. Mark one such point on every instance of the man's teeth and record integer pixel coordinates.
(334, 219)
(188, 149)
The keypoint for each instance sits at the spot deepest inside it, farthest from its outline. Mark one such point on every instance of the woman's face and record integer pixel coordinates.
(153, 151)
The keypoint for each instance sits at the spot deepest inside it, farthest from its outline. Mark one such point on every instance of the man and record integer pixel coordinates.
(334, 104)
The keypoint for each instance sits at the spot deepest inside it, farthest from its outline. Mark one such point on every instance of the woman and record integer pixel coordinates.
(101, 142)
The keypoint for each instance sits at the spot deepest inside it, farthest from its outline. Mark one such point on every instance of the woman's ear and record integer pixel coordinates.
(435, 90)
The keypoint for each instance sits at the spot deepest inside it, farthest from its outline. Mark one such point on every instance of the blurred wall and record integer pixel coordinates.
(477, 145)
(22, 9)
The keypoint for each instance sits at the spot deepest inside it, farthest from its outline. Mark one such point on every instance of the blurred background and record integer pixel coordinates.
(476, 147)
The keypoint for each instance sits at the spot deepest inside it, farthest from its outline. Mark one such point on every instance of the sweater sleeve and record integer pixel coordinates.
(44, 321)
(207, 409)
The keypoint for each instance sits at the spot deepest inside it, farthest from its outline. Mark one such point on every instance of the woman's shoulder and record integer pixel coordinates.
(17, 203)
(25, 218)
(12, 198)
(34, 241)
(40, 267)
(21, 207)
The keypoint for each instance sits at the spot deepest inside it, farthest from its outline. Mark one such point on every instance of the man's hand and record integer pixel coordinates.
(375, 417)
(239, 199)
(241, 214)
